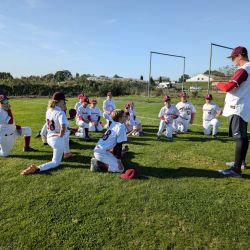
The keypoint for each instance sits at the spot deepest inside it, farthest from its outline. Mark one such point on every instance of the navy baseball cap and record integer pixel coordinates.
(238, 51)
(58, 96)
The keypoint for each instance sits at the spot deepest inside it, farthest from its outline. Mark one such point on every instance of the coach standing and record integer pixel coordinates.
(237, 108)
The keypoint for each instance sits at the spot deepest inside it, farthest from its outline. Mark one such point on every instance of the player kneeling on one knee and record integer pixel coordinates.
(211, 112)
(57, 123)
(9, 131)
(95, 116)
(167, 114)
(108, 150)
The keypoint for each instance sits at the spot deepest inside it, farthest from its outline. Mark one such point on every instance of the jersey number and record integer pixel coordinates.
(106, 135)
(50, 125)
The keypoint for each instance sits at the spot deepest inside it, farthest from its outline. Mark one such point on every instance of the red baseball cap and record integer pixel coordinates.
(208, 97)
(129, 174)
(109, 93)
(166, 98)
(57, 96)
(238, 51)
(3, 98)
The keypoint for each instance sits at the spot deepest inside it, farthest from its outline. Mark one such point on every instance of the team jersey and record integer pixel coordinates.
(132, 116)
(168, 112)
(83, 112)
(237, 101)
(5, 127)
(77, 105)
(55, 118)
(185, 109)
(108, 105)
(210, 110)
(115, 134)
(95, 113)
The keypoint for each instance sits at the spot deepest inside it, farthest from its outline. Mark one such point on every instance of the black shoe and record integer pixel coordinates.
(29, 149)
(158, 138)
(45, 144)
(38, 134)
(87, 138)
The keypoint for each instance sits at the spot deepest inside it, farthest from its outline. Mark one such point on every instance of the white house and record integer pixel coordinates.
(199, 78)
(163, 85)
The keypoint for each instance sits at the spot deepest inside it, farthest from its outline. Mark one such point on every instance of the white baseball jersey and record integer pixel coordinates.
(109, 105)
(185, 109)
(210, 110)
(95, 113)
(55, 118)
(5, 127)
(84, 112)
(237, 101)
(77, 105)
(115, 134)
(168, 113)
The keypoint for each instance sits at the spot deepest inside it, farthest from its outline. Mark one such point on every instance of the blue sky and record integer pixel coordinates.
(107, 37)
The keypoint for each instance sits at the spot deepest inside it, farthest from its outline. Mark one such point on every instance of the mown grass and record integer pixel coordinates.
(179, 202)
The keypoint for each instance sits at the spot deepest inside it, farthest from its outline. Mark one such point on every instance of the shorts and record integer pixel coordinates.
(237, 127)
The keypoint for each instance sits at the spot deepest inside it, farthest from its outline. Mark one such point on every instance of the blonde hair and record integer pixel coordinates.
(52, 104)
(117, 114)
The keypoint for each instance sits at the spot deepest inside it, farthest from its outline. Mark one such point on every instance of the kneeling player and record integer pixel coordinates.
(167, 114)
(95, 116)
(9, 131)
(211, 112)
(108, 150)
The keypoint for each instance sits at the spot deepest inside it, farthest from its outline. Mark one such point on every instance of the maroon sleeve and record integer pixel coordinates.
(239, 76)
(226, 86)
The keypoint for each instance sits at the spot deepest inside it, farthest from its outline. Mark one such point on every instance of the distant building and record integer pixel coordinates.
(199, 78)
(163, 85)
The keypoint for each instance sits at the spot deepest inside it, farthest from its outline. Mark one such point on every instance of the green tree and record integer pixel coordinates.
(62, 75)
(5, 75)
(141, 78)
(184, 77)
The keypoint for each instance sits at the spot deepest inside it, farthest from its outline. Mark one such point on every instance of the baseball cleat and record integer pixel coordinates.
(38, 135)
(231, 164)
(94, 165)
(230, 172)
(31, 169)
(29, 149)
(158, 138)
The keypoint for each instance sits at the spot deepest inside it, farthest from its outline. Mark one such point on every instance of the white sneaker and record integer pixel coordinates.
(93, 165)
(231, 164)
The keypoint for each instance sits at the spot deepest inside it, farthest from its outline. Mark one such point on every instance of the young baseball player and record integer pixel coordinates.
(108, 150)
(186, 117)
(167, 114)
(108, 107)
(79, 103)
(95, 116)
(237, 108)
(83, 117)
(57, 123)
(9, 131)
(211, 112)
(134, 122)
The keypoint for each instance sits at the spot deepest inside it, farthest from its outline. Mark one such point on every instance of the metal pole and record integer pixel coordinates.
(210, 63)
(184, 66)
(149, 78)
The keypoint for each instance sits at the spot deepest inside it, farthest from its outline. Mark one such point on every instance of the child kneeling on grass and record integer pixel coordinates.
(108, 150)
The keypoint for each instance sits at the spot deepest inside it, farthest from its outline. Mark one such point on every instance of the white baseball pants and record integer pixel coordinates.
(57, 143)
(94, 128)
(169, 129)
(7, 140)
(109, 159)
(207, 125)
(180, 124)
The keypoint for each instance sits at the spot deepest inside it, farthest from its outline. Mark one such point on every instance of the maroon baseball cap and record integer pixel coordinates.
(208, 97)
(166, 98)
(238, 51)
(57, 96)
(3, 98)
(129, 174)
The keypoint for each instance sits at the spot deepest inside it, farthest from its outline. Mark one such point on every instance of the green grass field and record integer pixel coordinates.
(180, 201)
